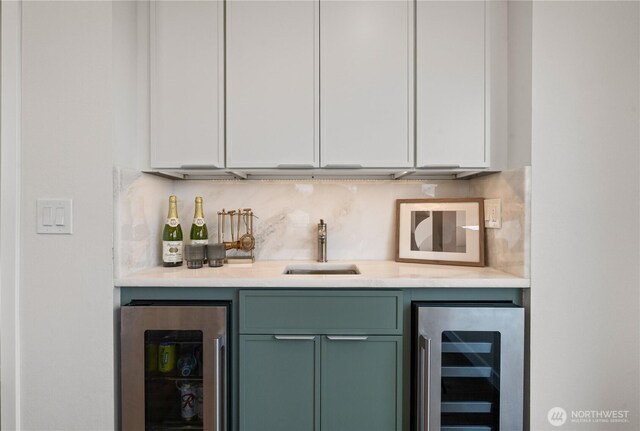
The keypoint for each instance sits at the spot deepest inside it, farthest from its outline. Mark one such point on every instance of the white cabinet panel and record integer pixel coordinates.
(450, 84)
(366, 83)
(272, 83)
(187, 85)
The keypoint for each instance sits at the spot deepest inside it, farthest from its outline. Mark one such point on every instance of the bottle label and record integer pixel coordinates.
(172, 251)
(198, 221)
(200, 241)
(173, 222)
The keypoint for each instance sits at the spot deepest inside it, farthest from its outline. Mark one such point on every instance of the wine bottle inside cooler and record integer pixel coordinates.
(172, 244)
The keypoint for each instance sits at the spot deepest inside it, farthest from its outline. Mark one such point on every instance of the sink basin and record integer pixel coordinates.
(322, 269)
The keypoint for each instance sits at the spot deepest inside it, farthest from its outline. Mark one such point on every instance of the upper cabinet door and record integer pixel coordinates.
(366, 75)
(450, 84)
(272, 84)
(187, 84)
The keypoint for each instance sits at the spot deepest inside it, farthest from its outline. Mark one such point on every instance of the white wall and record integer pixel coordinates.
(131, 84)
(519, 83)
(10, 215)
(585, 329)
(66, 280)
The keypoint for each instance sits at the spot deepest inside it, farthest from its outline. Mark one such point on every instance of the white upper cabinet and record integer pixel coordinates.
(328, 84)
(366, 83)
(450, 84)
(272, 84)
(187, 84)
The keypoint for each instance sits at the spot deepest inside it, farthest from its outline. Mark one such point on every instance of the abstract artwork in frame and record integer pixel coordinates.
(440, 231)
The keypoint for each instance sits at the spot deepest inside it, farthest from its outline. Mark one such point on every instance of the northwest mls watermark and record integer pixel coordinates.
(558, 416)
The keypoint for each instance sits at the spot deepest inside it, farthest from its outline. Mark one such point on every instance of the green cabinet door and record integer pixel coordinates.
(279, 383)
(361, 383)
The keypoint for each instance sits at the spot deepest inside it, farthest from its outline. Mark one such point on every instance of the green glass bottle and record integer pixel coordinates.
(199, 233)
(172, 236)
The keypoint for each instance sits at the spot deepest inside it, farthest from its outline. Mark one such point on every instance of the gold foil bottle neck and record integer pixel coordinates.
(173, 207)
(199, 213)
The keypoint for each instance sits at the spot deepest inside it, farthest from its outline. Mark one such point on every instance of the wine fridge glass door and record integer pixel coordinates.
(470, 381)
(470, 368)
(173, 385)
(173, 368)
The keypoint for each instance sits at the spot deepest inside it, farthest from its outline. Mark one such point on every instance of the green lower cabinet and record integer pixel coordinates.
(279, 383)
(300, 383)
(361, 387)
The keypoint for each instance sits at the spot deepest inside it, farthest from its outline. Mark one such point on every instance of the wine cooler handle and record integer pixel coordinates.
(425, 384)
(217, 347)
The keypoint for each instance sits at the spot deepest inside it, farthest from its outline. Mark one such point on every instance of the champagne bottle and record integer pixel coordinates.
(172, 236)
(199, 233)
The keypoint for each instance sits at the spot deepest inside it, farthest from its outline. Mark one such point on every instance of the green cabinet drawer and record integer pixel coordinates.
(320, 312)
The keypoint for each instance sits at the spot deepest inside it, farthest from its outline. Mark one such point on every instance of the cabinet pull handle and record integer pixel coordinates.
(218, 344)
(195, 166)
(294, 337)
(344, 166)
(436, 166)
(347, 337)
(425, 384)
(295, 166)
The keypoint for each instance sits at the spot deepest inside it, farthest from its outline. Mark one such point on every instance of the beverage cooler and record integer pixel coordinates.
(174, 358)
(468, 366)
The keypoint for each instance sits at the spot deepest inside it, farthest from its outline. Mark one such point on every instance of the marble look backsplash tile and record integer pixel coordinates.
(141, 202)
(508, 248)
(360, 215)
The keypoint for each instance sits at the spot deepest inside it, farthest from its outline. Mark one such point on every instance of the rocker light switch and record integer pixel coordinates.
(493, 213)
(47, 216)
(59, 216)
(54, 216)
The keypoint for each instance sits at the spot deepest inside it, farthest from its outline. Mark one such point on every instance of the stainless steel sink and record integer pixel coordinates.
(322, 269)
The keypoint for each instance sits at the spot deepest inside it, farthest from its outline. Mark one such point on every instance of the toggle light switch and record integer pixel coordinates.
(54, 216)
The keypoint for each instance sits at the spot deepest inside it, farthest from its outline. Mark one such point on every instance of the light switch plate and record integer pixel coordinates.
(493, 213)
(54, 216)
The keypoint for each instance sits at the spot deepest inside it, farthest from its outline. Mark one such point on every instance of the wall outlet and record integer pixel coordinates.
(53, 216)
(493, 213)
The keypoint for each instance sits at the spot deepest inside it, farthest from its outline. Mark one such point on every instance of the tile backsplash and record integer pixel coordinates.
(360, 214)
(508, 248)
(139, 217)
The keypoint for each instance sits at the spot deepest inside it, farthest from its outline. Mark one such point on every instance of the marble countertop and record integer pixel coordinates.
(373, 274)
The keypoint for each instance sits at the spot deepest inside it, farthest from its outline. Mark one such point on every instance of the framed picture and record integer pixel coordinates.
(440, 231)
